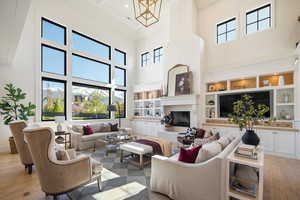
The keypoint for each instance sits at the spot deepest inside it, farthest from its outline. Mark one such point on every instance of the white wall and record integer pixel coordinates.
(275, 43)
(24, 72)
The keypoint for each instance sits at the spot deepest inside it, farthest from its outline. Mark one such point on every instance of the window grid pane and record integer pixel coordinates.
(120, 76)
(145, 59)
(89, 69)
(90, 46)
(90, 102)
(157, 55)
(53, 60)
(53, 99)
(54, 32)
(120, 57)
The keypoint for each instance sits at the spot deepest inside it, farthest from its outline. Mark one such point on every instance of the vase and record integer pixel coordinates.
(251, 138)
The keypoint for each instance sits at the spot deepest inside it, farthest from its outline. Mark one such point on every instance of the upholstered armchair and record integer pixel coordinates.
(16, 129)
(57, 176)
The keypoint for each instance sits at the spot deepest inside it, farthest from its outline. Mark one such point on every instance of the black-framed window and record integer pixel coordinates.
(90, 102)
(90, 46)
(120, 57)
(53, 31)
(157, 55)
(53, 60)
(145, 58)
(120, 101)
(226, 31)
(53, 99)
(89, 69)
(258, 19)
(120, 76)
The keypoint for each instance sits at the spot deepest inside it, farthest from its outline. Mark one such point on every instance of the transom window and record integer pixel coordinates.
(226, 31)
(157, 55)
(88, 74)
(258, 19)
(145, 59)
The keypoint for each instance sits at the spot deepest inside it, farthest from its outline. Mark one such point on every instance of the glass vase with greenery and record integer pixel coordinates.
(11, 107)
(246, 114)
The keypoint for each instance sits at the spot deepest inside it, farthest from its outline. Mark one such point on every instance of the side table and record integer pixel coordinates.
(62, 138)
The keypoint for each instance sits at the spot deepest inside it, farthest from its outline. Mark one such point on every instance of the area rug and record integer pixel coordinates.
(119, 180)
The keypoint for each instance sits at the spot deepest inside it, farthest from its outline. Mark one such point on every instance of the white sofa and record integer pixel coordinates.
(199, 181)
(79, 141)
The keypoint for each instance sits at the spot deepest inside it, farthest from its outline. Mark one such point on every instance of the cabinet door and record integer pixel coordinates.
(267, 140)
(285, 143)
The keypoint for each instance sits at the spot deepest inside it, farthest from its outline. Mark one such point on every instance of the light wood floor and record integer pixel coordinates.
(282, 180)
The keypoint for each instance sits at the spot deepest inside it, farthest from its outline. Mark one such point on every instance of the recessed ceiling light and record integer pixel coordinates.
(126, 6)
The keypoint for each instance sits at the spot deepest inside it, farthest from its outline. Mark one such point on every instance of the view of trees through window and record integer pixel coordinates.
(120, 101)
(90, 102)
(53, 99)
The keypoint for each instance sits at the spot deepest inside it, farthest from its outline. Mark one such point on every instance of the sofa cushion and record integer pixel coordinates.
(100, 127)
(62, 155)
(224, 141)
(208, 151)
(189, 155)
(77, 128)
(199, 141)
(87, 130)
(95, 136)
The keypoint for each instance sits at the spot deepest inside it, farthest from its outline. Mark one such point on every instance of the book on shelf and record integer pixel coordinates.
(252, 157)
(247, 151)
(244, 188)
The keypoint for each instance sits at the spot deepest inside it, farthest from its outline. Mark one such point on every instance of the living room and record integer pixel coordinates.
(145, 99)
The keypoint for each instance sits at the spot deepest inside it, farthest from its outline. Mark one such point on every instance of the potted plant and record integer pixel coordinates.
(246, 114)
(12, 109)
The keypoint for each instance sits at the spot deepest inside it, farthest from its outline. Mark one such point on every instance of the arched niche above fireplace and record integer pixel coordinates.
(172, 73)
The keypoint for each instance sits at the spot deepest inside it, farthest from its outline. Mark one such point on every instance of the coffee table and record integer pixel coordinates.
(112, 143)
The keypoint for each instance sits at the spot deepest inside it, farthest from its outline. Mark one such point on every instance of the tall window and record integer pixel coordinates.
(88, 74)
(120, 57)
(258, 19)
(226, 31)
(90, 102)
(157, 55)
(120, 101)
(145, 59)
(53, 98)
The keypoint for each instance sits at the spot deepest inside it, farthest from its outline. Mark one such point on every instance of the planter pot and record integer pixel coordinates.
(12, 144)
(251, 138)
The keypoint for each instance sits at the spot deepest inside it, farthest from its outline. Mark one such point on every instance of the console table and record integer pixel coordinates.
(259, 168)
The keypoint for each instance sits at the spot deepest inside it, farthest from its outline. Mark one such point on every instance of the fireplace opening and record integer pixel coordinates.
(180, 118)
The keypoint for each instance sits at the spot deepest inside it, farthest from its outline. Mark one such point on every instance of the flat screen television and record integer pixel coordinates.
(226, 101)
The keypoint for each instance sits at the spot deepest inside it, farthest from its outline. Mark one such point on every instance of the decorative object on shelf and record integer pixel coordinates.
(59, 120)
(184, 84)
(167, 120)
(246, 114)
(11, 108)
(266, 83)
(147, 12)
(172, 73)
(281, 80)
(247, 151)
(211, 102)
(211, 88)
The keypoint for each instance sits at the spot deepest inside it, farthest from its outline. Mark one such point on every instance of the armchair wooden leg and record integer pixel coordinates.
(99, 184)
(54, 197)
(29, 169)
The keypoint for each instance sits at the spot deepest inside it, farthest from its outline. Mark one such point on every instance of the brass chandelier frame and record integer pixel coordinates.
(143, 12)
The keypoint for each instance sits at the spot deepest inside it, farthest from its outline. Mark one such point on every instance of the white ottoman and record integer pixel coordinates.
(138, 149)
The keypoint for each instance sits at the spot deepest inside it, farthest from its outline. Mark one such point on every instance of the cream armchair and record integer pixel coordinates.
(56, 176)
(16, 129)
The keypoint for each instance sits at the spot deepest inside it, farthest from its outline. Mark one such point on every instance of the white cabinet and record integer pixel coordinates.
(267, 140)
(144, 127)
(284, 143)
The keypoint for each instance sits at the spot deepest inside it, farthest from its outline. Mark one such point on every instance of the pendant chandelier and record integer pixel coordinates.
(147, 12)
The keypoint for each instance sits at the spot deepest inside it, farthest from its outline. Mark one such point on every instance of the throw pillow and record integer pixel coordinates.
(208, 151)
(200, 133)
(203, 141)
(87, 130)
(189, 155)
(224, 141)
(77, 128)
(114, 127)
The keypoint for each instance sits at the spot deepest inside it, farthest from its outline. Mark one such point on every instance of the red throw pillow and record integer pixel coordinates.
(189, 155)
(87, 130)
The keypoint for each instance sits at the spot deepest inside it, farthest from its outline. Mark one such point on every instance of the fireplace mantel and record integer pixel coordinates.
(180, 100)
